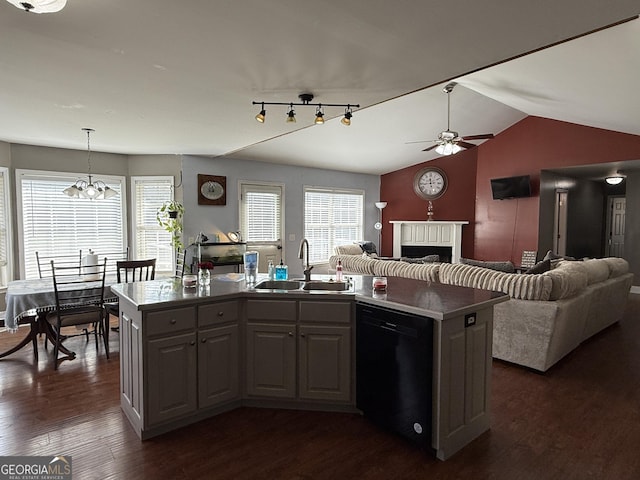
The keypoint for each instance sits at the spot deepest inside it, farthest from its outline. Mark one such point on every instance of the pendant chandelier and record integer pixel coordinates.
(40, 6)
(93, 190)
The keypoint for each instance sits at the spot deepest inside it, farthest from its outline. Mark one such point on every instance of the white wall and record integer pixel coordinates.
(212, 219)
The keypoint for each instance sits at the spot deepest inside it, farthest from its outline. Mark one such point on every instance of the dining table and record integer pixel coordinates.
(30, 300)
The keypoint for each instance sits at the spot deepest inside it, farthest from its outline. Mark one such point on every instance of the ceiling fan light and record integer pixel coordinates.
(40, 6)
(614, 180)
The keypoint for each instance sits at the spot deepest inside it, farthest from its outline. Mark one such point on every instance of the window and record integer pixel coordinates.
(54, 224)
(261, 213)
(150, 239)
(5, 221)
(331, 217)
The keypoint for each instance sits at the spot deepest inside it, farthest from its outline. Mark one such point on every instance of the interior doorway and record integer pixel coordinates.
(616, 207)
(560, 222)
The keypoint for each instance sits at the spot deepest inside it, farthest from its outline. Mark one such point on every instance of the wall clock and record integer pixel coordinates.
(430, 183)
(212, 190)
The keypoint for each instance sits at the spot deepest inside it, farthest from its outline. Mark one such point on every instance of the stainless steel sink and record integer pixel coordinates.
(279, 285)
(322, 285)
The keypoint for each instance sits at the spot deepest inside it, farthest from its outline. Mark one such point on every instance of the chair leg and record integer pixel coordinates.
(105, 333)
(56, 345)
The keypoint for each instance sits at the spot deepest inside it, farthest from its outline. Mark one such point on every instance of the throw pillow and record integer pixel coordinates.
(540, 267)
(368, 247)
(554, 256)
(506, 267)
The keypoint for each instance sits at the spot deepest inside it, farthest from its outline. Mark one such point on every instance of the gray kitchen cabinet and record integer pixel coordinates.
(306, 356)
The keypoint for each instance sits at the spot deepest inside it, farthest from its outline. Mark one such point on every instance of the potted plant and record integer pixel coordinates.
(169, 217)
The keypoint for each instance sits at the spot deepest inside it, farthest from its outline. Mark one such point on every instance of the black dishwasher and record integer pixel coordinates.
(394, 365)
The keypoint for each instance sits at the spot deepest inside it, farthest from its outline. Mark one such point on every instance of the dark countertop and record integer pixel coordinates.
(419, 297)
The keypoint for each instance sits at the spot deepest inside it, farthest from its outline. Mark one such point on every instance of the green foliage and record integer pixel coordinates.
(169, 217)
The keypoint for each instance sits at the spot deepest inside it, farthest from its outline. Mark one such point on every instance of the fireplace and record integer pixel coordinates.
(419, 251)
(409, 235)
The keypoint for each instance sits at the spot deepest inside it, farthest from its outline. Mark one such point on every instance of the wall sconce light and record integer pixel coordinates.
(615, 180)
(305, 101)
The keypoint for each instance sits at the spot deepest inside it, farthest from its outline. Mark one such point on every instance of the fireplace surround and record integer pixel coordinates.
(411, 233)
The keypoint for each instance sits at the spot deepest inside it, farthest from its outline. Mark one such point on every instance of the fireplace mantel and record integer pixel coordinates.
(428, 233)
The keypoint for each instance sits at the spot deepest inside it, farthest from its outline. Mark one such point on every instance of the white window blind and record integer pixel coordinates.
(52, 223)
(5, 221)
(150, 239)
(261, 213)
(331, 217)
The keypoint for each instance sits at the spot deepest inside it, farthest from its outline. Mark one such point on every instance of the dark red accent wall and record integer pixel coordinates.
(501, 229)
(457, 203)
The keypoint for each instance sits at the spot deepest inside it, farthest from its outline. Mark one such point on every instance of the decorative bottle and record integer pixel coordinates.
(339, 271)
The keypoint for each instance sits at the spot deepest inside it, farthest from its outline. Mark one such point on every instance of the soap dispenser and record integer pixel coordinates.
(282, 271)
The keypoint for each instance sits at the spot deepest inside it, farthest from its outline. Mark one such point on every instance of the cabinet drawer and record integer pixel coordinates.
(338, 312)
(217, 313)
(271, 310)
(169, 321)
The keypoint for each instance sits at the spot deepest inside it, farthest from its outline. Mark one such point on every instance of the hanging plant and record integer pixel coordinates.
(169, 217)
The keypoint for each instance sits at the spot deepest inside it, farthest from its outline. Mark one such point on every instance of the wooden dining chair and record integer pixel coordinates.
(131, 271)
(44, 262)
(79, 302)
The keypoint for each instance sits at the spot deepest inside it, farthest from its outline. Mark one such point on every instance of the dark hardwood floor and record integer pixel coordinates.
(580, 420)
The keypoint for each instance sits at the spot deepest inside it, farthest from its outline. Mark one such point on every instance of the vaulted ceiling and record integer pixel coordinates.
(166, 77)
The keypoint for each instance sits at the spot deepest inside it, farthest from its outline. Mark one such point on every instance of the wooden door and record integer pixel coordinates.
(172, 377)
(271, 360)
(325, 362)
(218, 365)
(615, 226)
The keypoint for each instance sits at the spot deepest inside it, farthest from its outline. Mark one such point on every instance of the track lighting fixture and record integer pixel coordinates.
(305, 100)
(347, 116)
(291, 114)
(319, 116)
(261, 115)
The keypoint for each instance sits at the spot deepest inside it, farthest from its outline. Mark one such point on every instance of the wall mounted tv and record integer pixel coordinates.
(511, 187)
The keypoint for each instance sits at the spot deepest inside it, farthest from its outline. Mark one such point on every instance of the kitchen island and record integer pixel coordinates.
(188, 354)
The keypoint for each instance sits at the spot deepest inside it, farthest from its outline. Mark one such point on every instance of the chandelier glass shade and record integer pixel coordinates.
(448, 148)
(40, 6)
(91, 189)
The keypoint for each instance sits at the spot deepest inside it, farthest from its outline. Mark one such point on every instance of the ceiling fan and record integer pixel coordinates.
(449, 142)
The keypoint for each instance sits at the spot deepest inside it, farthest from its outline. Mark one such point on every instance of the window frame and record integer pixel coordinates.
(134, 180)
(8, 237)
(71, 177)
(332, 241)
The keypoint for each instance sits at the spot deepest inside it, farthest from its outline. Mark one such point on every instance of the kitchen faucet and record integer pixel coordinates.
(307, 271)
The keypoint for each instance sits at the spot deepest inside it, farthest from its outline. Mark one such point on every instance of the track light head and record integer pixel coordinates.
(346, 120)
(319, 115)
(260, 117)
(291, 115)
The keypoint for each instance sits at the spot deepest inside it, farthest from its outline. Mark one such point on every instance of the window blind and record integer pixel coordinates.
(150, 239)
(54, 224)
(4, 230)
(331, 217)
(260, 213)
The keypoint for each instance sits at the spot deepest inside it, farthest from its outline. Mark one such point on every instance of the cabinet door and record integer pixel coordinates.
(325, 362)
(271, 360)
(172, 375)
(218, 374)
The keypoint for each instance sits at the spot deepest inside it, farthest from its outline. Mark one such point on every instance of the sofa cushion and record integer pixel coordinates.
(617, 266)
(596, 269)
(540, 267)
(568, 280)
(507, 266)
(350, 249)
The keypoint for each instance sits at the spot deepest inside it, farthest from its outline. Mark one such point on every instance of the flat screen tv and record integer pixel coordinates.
(511, 187)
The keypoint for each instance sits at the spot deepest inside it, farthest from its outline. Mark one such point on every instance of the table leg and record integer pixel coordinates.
(32, 336)
(51, 335)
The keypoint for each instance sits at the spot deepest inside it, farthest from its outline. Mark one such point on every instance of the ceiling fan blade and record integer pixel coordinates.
(465, 144)
(420, 141)
(430, 148)
(478, 137)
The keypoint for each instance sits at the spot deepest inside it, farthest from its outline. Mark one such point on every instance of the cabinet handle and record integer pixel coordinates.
(204, 340)
(291, 334)
(192, 343)
(220, 314)
(172, 321)
(302, 335)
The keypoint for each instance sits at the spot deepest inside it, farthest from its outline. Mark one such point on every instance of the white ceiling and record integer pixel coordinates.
(166, 77)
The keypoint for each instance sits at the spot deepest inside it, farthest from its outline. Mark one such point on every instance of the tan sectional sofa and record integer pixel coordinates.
(548, 314)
